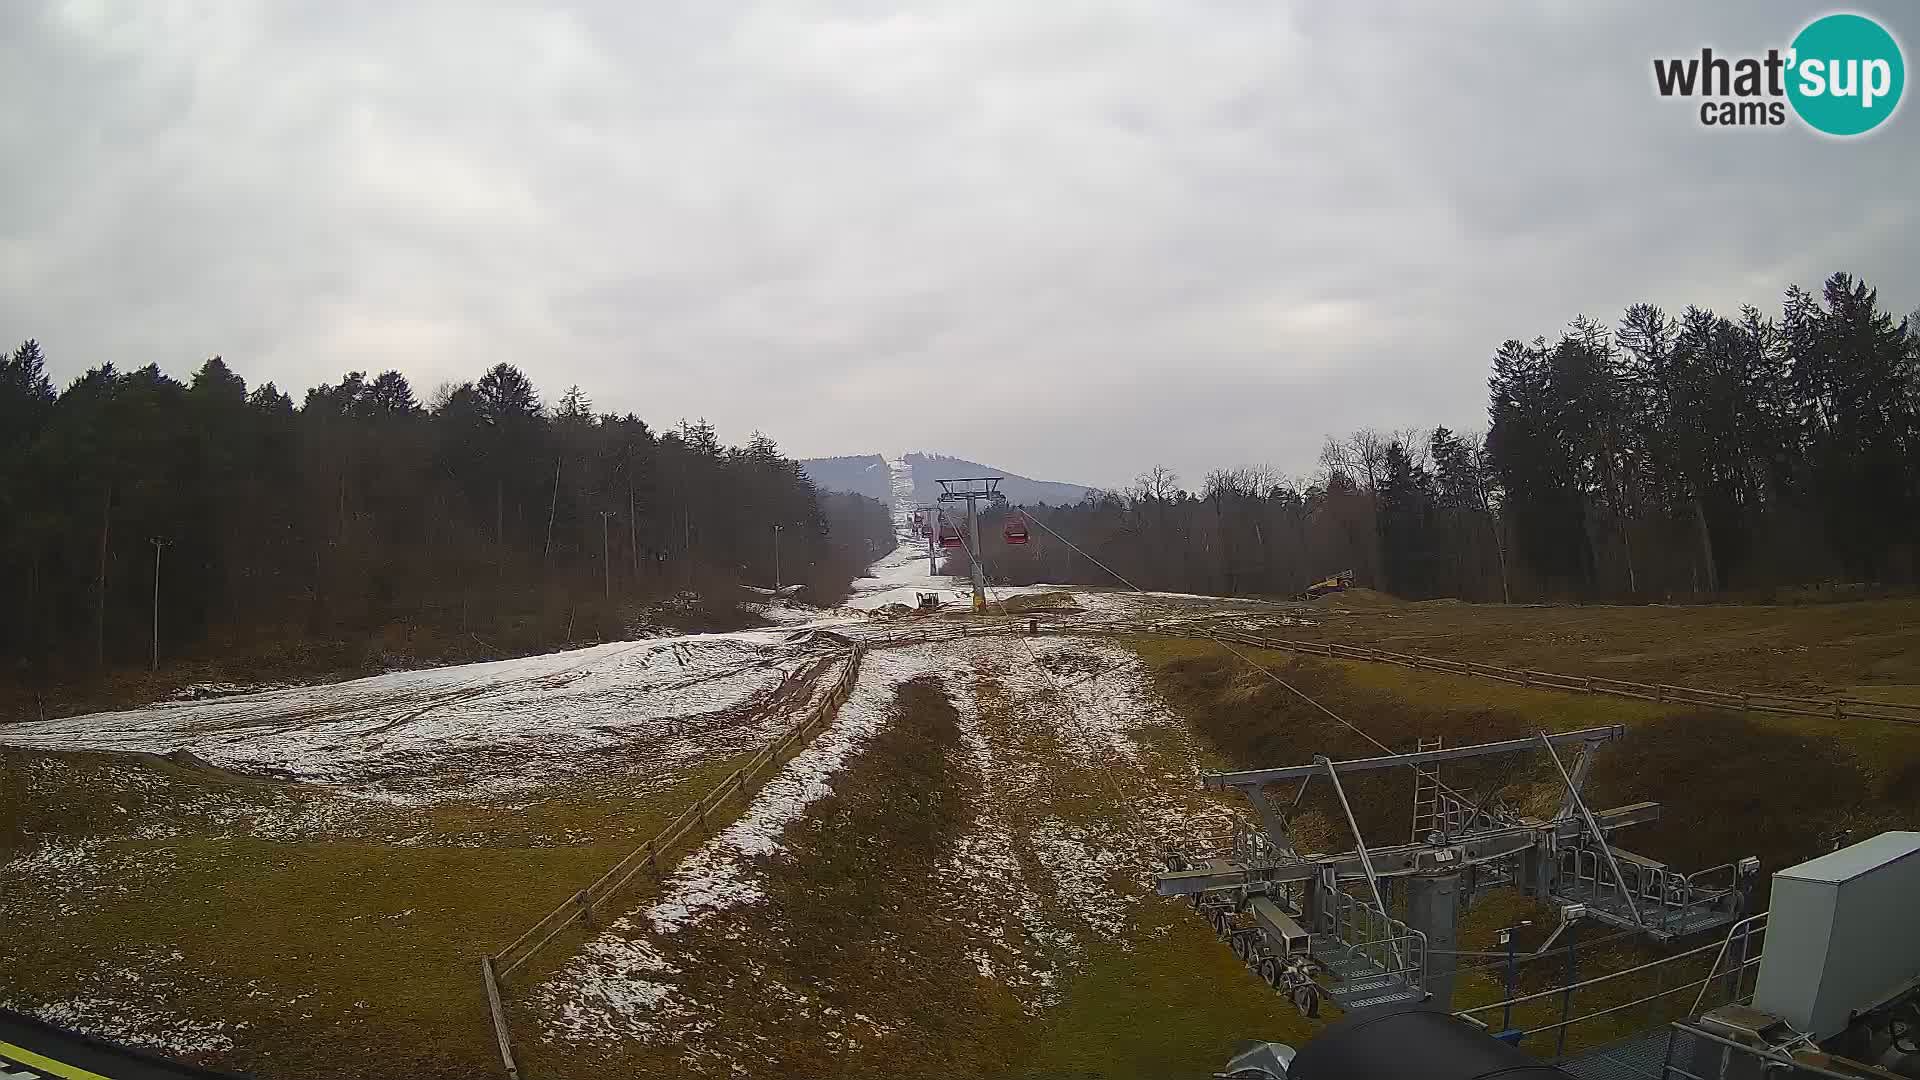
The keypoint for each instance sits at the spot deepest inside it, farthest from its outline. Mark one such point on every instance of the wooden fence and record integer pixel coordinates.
(1832, 707)
(582, 906)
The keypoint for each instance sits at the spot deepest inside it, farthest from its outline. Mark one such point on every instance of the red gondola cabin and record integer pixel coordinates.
(1016, 531)
(949, 536)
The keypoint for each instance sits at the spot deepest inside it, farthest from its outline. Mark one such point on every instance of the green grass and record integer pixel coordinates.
(1168, 1002)
(1866, 644)
(1723, 779)
(336, 956)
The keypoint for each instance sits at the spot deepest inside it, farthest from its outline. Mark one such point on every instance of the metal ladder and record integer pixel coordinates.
(1426, 794)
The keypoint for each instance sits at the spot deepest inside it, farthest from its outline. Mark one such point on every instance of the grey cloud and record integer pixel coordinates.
(1072, 238)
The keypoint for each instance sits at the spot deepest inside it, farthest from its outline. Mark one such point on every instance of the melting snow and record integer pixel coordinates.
(592, 996)
(395, 738)
(717, 875)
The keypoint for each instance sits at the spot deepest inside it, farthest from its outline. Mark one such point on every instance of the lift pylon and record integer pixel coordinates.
(1327, 926)
(973, 490)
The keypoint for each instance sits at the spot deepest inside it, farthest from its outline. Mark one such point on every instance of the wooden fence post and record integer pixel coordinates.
(499, 1018)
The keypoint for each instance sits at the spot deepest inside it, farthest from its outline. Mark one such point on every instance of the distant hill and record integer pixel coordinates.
(1022, 490)
(862, 474)
(867, 474)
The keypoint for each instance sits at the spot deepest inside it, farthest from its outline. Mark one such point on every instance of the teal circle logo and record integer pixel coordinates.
(1846, 74)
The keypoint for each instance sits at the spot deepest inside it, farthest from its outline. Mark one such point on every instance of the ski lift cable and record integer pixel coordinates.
(1073, 711)
(1193, 749)
(1035, 519)
(1433, 776)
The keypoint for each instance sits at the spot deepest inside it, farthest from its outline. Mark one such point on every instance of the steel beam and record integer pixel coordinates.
(1257, 777)
(1360, 849)
(1599, 837)
(1400, 859)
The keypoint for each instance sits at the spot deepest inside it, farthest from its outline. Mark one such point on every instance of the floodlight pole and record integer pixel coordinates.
(158, 543)
(606, 564)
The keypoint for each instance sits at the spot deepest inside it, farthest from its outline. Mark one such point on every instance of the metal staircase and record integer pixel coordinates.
(1369, 958)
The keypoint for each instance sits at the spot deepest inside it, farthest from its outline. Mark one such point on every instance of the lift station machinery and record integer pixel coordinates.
(1376, 925)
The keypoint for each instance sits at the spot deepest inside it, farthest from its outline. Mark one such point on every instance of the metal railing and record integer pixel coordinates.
(1661, 989)
(1365, 932)
(1454, 816)
(1744, 938)
(1661, 896)
(1246, 844)
(1252, 846)
(582, 905)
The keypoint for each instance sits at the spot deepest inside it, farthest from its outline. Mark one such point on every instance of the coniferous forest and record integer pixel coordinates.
(1690, 456)
(1694, 456)
(364, 526)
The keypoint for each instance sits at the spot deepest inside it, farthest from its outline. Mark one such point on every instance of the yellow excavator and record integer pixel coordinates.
(1339, 582)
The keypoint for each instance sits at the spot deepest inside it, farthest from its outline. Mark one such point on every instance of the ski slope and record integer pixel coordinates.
(899, 577)
(422, 736)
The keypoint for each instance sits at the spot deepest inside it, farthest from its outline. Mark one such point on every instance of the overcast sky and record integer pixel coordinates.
(1068, 239)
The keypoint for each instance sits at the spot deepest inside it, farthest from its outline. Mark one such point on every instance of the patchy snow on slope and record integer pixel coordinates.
(903, 572)
(587, 999)
(59, 878)
(624, 996)
(1118, 708)
(792, 616)
(129, 1001)
(473, 730)
(1016, 942)
(140, 1023)
(1058, 879)
(896, 579)
(718, 875)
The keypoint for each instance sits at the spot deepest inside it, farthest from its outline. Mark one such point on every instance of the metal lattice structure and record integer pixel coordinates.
(1324, 926)
(973, 490)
